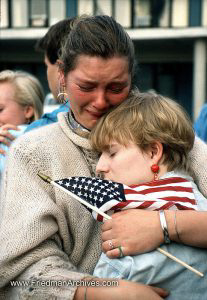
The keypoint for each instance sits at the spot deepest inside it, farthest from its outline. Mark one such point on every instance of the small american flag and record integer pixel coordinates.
(171, 193)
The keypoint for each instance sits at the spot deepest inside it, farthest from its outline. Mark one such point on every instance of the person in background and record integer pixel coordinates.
(51, 44)
(200, 124)
(150, 159)
(46, 235)
(21, 102)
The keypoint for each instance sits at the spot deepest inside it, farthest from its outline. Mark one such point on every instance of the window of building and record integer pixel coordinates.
(31, 13)
(97, 7)
(119, 9)
(4, 18)
(38, 14)
(85, 7)
(165, 14)
(57, 11)
(180, 9)
(103, 7)
(152, 13)
(204, 13)
(20, 17)
(122, 12)
(142, 13)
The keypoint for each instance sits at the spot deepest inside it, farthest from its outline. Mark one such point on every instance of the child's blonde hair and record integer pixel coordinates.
(28, 90)
(143, 119)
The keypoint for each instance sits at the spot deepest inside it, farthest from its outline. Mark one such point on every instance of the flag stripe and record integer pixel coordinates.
(160, 189)
(163, 197)
(163, 181)
(144, 187)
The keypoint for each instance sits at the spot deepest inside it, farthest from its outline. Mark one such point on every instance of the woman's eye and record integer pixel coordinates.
(116, 90)
(86, 88)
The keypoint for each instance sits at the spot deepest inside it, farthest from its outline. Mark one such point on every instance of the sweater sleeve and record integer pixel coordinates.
(198, 165)
(32, 249)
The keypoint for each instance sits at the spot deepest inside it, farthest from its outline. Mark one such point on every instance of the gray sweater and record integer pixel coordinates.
(45, 234)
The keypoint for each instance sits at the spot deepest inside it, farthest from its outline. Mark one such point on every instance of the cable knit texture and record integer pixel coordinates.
(43, 230)
(45, 234)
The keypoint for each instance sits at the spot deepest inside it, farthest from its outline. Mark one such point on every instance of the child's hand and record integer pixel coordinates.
(5, 136)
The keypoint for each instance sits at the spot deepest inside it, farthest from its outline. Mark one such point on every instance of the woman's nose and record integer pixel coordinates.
(101, 100)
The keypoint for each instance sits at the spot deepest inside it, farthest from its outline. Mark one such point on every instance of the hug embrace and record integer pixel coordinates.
(47, 235)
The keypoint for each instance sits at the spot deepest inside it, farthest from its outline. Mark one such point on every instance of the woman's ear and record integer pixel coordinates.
(61, 76)
(156, 152)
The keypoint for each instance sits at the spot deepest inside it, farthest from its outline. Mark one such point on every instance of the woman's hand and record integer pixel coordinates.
(125, 290)
(135, 230)
(5, 137)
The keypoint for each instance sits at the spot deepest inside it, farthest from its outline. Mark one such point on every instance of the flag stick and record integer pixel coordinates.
(180, 262)
(49, 180)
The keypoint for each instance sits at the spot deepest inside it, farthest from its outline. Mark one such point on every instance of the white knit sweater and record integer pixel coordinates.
(45, 234)
(41, 227)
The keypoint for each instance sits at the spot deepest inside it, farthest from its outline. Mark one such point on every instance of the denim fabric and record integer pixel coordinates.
(48, 118)
(157, 269)
(200, 125)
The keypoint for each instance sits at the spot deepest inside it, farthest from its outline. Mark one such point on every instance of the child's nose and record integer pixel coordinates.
(101, 165)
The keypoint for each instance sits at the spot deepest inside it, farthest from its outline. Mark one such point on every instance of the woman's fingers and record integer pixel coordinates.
(2, 152)
(4, 140)
(116, 253)
(109, 245)
(106, 225)
(5, 136)
(106, 235)
(113, 249)
(161, 292)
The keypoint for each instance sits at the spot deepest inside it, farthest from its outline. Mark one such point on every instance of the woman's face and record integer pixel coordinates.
(95, 85)
(10, 111)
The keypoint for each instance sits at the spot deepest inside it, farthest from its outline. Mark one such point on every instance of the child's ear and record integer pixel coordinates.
(156, 152)
(28, 112)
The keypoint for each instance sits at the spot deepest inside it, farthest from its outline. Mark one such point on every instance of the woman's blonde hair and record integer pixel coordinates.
(143, 119)
(29, 91)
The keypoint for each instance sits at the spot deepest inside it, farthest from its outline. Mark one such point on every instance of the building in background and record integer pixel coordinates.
(170, 38)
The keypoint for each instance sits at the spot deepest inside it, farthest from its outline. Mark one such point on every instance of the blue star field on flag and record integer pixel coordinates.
(94, 190)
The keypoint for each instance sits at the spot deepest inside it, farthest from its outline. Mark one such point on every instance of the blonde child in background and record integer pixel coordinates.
(21, 102)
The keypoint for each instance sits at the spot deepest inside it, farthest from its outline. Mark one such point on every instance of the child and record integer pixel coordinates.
(21, 102)
(145, 143)
(146, 139)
